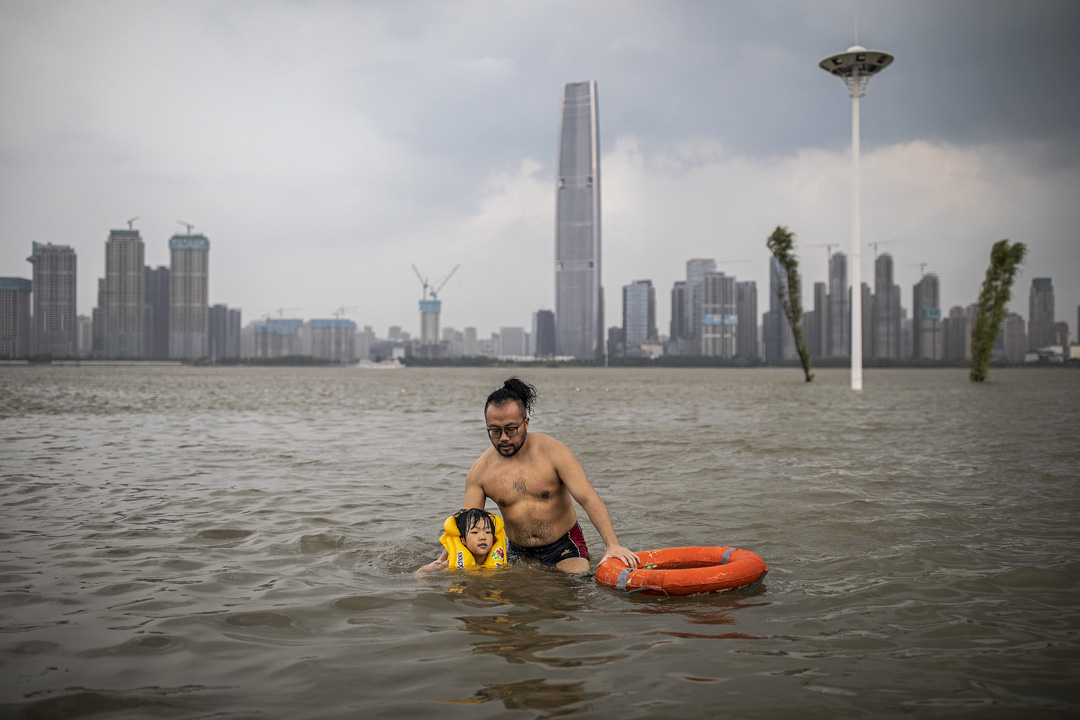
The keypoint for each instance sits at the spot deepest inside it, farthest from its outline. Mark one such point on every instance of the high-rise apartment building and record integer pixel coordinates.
(277, 337)
(639, 317)
(696, 269)
(719, 316)
(157, 300)
(125, 310)
(746, 338)
(579, 305)
(513, 342)
(223, 332)
(54, 328)
(885, 329)
(189, 293)
(927, 337)
(1041, 314)
(333, 339)
(14, 317)
(429, 321)
(839, 307)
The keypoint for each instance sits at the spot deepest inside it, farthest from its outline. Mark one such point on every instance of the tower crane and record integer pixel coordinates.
(131, 223)
(343, 309)
(435, 291)
(828, 253)
(922, 268)
(423, 281)
(880, 242)
(429, 288)
(188, 225)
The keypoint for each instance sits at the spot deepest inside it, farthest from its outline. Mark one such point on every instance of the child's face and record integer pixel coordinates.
(479, 540)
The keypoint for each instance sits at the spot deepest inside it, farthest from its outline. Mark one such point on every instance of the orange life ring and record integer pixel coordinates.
(684, 571)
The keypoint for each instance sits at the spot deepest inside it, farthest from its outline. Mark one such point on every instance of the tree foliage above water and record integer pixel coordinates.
(789, 290)
(1005, 261)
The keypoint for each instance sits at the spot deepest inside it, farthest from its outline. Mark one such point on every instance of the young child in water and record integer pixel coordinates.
(471, 538)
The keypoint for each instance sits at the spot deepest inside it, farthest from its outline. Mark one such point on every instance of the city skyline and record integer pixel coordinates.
(322, 176)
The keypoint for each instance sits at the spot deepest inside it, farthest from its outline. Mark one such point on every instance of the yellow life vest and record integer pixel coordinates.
(460, 557)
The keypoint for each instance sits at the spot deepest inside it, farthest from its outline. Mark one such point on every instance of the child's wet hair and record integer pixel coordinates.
(466, 519)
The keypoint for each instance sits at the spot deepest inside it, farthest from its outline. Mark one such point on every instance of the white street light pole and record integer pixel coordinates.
(855, 67)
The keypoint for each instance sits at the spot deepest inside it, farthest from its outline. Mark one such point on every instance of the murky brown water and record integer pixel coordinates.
(238, 542)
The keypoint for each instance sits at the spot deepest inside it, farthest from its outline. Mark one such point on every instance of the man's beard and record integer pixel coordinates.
(513, 448)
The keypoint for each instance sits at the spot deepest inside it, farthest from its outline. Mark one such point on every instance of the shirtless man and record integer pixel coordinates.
(532, 479)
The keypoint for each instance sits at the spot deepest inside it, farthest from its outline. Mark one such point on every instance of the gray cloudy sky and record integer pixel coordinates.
(323, 147)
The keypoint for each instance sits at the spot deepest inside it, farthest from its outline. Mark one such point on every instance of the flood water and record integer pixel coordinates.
(240, 542)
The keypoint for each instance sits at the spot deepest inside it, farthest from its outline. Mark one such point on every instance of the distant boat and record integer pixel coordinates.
(384, 365)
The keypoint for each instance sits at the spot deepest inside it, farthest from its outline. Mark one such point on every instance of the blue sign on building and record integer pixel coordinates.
(714, 319)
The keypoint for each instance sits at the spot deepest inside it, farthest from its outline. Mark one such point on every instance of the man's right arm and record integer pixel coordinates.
(475, 497)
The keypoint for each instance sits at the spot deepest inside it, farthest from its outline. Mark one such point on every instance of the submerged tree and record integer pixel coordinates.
(789, 289)
(1005, 261)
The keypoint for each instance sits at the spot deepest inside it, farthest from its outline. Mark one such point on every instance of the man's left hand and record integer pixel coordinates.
(618, 551)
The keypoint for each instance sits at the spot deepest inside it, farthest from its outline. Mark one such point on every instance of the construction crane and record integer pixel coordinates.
(429, 288)
(922, 268)
(435, 291)
(281, 311)
(880, 242)
(131, 223)
(343, 309)
(189, 226)
(828, 253)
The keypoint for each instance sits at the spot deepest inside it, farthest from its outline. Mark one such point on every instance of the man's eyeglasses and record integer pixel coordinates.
(510, 430)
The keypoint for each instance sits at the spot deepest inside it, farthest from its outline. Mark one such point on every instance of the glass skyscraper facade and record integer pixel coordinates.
(579, 308)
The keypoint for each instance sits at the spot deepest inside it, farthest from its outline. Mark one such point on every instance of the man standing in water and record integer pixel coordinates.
(532, 478)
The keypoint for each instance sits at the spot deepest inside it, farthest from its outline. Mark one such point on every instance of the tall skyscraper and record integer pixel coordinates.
(125, 295)
(885, 331)
(677, 328)
(54, 328)
(189, 293)
(957, 335)
(867, 308)
(927, 338)
(579, 305)
(839, 307)
(14, 317)
(819, 343)
(1012, 341)
(779, 340)
(157, 300)
(696, 269)
(746, 339)
(1040, 314)
(543, 333)
(472, 346)
(639, 316)
(719, 316)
